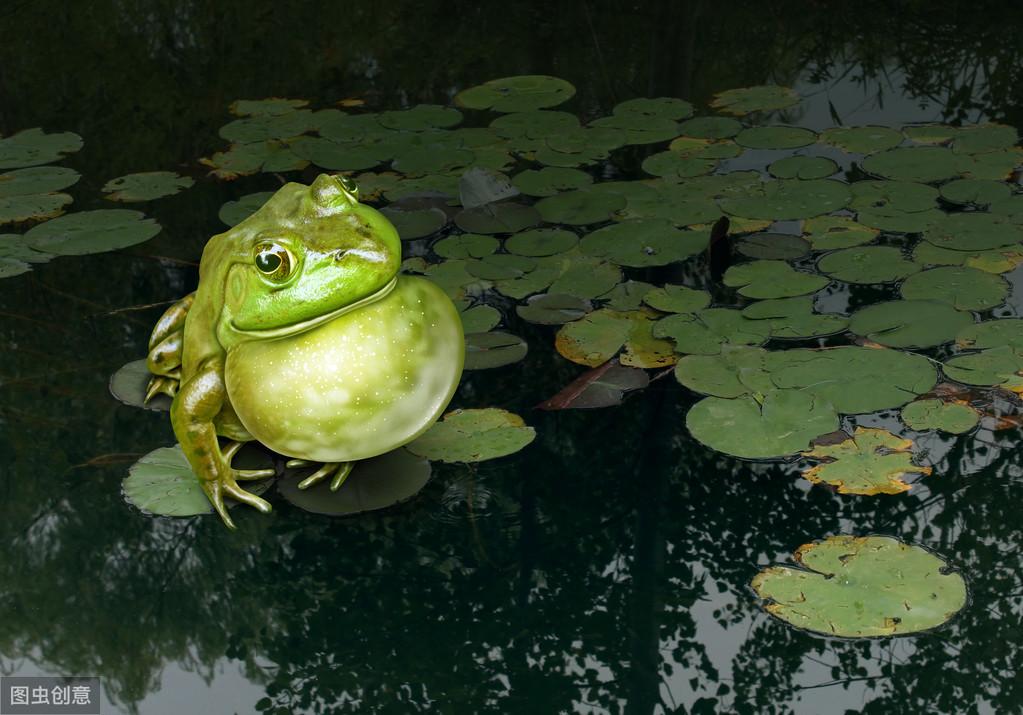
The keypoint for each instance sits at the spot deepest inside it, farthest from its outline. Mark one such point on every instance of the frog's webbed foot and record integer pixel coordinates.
(227, 485)
(339, 472)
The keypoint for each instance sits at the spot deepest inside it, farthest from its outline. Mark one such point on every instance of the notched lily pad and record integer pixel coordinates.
(32, 147)
(771, 279)
(747, 100)
(862, 587)
(516, 94)
(146, 186)
(872, 461)
(233, 213)
(129, 385)
(909, 323)
(951, 417)
(484, 351)
(961, 287)
(474, 436)
(92, 232)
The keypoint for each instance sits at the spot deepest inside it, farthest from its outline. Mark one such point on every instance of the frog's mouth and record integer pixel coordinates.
(303, 325)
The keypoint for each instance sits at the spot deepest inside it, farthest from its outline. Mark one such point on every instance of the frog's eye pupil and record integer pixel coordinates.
(268, 262)
(273, 261)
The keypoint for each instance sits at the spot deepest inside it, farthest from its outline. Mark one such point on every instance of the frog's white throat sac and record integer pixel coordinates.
(304, 325)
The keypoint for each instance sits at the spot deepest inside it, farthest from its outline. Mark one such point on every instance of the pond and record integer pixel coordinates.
(741, 416)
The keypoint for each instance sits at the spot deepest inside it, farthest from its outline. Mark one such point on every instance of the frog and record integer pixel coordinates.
(303, 335)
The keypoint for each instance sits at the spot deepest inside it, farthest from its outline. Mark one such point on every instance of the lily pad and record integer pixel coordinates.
(579, 208)
(708, 331)
(92, 232)
(662, 107)
(541, 242)
(803, 167)
(479, 187)
(32, 207)
(754, 99)
(909, 323)
(771, 279)
(872, 461)
(466, 245)
(997, 260)
(734, 372)
(32, 147)
(793, 318)
(827, 233)
(474, 436)
(16, 250)
(376, 483)
(867, 264)
(129, 385)
(975, 192)
(516, 94)
(639, 128)
(677, 299)
(775, 137)
(961, 287)
(336, 156)
(930, 133)
(640, 243)
(261, 127)
(999, 366)
(992, 334)
(974, 231)
(479, 318)
(604, 386)
(412, 223)
(420, 117)
(951, 417)
(10, 267)
(710, 127)
(36, 180)
(773, 246)
(861, 140)
(146, 186)
(551, 180)
(788, 199)
(926, 164)
(595, 338)
(271, 106)
(553, 309)
(674, 166)
(484, 351)
(233, 213)
(862, 587)
(163, 483)
(502, 217)
(981, 138)
(784, 422)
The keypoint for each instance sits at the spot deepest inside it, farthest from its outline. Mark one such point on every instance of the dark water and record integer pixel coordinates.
(603, 569)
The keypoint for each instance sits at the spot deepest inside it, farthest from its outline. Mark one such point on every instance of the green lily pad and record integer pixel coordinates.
(975, 192)
(474, 436)
(854, 379)
(788, 199)
(747, 100)
(867, 264)
(992, 334)
(373, 484)
(466, 245)
(771, 279)
(803, 167)
(553, 309)
(146, 186)
(500, 266)
(982, 138)
(32, 207)
(92, 232)
(961, 287)
(516, 94)
(930, 133)
(551, 180)
(541, 242)
(502, 217)
(233, 213)
(674, 166)
(861, 140)
(246, 159)
(872, 461)
(862, 587)
(775, 137)
(430, 159)
(420, 118)
(708, 331)
(784, 422)
(677, 299)
(925, 164)
(826, 233)
(710, 127)
(995, 165)
(974, 231)
(793, 318)
(998, 260)
(736, 371)
(773, 246)
(909, 323)
(413, 223)
(10, 267)
(951, 417)
(595, 338)
(479, 318)
(163, 483)
(639, 128)
(271, 106)
(579, 208)
(261, 127)
(335, 156)
(899, 196)
(484, 351)
(32, 147)
(36, 180)
(999, 366)
(662, 107)
(640, 243)
(129, 386)
(18, 249)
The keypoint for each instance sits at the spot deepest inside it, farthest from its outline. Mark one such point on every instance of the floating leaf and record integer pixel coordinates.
(707, 331)
(10, 267)
(32, 147)
(581, 207)
(924, 164)
(484, 351)
(872, 461)
(479, 318)
(36, 180)
(473, 436)
(782, 423)
(516, 94)
(861, 140)
(711, 127)
(420, 118)
(163, 483)
(603, 386)
(803, 167)
(930, 133)
(961, 287)
(999, 366)
(129, 385)
(909, 323)
(974, 231)
(867, 264)
(466, 245)
(413, 223)
(975, 192)
(32, 207)
(503, 217)
(627, 295)
(771, 279)
(734, 372)
(788, 199)
(18, 250)
(662, 107)
(595, 338)
(639, 128)
(541, 242)
(271, 106)
(373, 484)
(775, 137)
(754, 99)
(92, 232)
(674, 166)
(553, 309)
(981, 138)
(233, 213)
(862, 587)
(478, 187)
(640, 243)
(677, 299)
(146, 186)
(793, 318)
(551, 180)
(951, 417)
(992, 334)
(773, 246)
(826, 233)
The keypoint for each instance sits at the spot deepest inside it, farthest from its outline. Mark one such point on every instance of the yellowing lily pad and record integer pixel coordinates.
(473, 436)
(872, 461)
(862, 587)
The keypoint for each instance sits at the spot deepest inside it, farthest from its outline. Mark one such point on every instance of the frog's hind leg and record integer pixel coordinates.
(165, 348)
(339, 472)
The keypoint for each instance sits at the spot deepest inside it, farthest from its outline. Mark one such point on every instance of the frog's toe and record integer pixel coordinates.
(160, 384)
(237, 493)
(339, 471)
(215, 493)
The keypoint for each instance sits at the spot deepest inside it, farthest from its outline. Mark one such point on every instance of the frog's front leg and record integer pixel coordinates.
(338, 470)
(195, 406)
(165, 347)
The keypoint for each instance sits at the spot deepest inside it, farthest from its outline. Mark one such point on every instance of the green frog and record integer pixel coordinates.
(303, 335)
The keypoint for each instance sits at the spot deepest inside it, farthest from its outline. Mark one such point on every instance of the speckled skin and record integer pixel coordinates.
(333, 357)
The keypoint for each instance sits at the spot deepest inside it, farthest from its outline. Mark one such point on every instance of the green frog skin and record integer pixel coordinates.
(302, 335)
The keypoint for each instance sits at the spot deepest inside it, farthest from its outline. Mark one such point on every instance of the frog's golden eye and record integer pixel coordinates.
(349, 186)
(273, 261)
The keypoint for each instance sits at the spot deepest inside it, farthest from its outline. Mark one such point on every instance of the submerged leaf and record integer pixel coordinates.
(603, 386)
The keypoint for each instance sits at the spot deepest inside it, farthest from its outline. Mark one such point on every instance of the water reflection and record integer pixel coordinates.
(606, 569)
